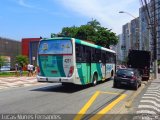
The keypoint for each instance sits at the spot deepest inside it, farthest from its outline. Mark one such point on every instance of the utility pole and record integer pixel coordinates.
(152, 23)
(155, 40)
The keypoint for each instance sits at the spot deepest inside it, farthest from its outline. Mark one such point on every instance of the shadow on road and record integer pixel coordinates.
(123, 87)
(67, 88)
(62, 88)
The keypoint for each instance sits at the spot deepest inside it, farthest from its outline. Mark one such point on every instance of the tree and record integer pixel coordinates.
(94, 23)
(93, 32)
(69, 31)
(2, 61)
(22, 60)
(86, 32)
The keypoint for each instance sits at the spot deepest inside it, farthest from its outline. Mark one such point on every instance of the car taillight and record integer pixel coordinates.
(71, 71)
(134, 77)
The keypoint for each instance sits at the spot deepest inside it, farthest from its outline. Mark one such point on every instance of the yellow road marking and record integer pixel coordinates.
(107, 108)
(109, 93)
(86, 106)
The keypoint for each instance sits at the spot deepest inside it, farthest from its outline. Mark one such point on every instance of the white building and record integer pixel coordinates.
(119, 48)
(144, 37)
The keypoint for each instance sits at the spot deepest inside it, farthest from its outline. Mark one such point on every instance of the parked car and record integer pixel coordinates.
(5, 68)
(129, 76)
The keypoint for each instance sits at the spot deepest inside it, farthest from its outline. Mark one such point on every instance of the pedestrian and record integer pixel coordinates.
(34, 70)
(29, 69)
(20, 70)
(16, 69)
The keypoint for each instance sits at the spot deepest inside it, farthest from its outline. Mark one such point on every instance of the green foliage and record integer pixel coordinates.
(85, 32)
(11, 74)
(22, 60)
(93, 32)
(69, 31)
(2, 61)
(94, 23)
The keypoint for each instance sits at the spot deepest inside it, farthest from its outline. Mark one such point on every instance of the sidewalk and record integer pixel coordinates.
(10, 82)
(149, 102)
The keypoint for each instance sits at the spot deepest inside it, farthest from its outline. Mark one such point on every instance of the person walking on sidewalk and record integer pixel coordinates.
(16, 69)
(20, 70)
(29, 69)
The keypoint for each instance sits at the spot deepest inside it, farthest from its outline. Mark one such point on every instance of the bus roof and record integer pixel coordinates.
(93, 45)
(80, 42)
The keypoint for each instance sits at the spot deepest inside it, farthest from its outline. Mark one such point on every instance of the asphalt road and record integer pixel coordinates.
(53, 98)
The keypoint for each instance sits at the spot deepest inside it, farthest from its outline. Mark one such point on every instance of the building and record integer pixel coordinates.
(155, 23)
(29, 49)
(143, 33)
(10, 49)
(119, 49)
(144, 37)
(126, 43)
(134, 34)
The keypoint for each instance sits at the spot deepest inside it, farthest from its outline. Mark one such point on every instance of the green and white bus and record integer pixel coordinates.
(70, 60)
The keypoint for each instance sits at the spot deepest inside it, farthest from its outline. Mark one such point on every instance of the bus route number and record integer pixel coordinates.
(67, 60)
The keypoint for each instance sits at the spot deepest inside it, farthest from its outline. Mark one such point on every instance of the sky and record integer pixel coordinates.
(34, 18)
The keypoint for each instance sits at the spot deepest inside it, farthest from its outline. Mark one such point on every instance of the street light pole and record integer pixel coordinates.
(137, 40)
(127, 13)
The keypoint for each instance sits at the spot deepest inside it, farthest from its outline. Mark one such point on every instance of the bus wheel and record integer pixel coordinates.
(94, 81)
(112, 73)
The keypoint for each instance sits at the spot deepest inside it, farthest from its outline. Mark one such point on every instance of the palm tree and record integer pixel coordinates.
(94, 23)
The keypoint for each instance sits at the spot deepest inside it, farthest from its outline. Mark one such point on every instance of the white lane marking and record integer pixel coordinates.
(154, 84)
(146, 112)
(150, 101)
(153, 88)
(149, 106)
(153, 92)
(152, 95)
(146, 97)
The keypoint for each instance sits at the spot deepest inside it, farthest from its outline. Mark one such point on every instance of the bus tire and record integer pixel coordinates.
(95, 79)
(112, 73)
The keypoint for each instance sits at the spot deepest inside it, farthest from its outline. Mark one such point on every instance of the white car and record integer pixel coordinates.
(5, 68)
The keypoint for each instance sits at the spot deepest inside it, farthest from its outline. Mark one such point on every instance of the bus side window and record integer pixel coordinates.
(107, 57)
(83, 48)
(103, 56)
(112, 58)
(98, 55)
(88, 54)
(93, 55)
(78, 53)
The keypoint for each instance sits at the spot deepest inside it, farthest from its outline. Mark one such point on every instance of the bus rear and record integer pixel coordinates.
(55, 60)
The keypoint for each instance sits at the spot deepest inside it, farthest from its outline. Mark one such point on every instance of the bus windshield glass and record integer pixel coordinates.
(55, 47)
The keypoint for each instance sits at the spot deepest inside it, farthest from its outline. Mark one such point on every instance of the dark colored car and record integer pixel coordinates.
(129, 76)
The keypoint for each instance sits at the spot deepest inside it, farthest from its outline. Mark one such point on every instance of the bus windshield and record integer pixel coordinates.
(55, 47)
